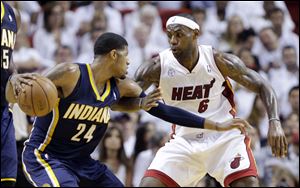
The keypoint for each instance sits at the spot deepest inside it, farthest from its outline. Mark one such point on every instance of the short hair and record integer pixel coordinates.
(288, 47)
(267, 28)
(199, 10)
(188, 16)
(293, 89)
(107, 42)
(275, 10)
(245, 34)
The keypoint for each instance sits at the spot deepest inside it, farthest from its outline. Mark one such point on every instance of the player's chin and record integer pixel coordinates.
(123, 76)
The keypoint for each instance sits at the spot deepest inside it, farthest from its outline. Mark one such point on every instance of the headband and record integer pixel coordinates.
(183, 21)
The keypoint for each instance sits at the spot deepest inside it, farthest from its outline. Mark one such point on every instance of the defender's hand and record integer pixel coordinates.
(151, 99)
(18, 82)
(241, 124)
(277, 139)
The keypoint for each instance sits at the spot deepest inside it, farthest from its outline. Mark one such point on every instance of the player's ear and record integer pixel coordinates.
(113, 54)
(196, 33)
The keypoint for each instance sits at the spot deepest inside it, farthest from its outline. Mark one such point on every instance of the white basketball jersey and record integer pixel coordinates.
(200, 91)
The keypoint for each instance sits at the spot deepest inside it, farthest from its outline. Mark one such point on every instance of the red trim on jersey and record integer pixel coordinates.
(164, 178)
(229, 94)
(173, 131)
(251, 171)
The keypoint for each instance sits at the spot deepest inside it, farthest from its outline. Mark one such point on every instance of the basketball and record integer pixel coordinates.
(38, 99)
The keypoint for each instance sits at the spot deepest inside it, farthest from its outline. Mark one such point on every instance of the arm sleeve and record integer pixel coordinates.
(176, 115)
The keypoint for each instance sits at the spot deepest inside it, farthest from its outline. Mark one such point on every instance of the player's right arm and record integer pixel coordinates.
(17, 82)
(65, 77)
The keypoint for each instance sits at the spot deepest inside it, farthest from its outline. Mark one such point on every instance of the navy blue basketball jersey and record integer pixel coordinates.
(8, 39)
(76, 125)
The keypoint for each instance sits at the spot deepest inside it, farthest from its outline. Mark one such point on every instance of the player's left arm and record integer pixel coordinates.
(134, 99)
(231, 66)
(130, 99)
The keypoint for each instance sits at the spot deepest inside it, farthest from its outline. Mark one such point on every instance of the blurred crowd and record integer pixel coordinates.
(262, 34)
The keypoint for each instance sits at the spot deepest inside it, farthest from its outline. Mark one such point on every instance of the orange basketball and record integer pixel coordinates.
(38, 99)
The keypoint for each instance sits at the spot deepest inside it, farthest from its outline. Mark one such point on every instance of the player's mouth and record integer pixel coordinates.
(175, 50)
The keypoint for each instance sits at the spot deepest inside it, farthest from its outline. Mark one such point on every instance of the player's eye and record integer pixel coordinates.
(179, 35)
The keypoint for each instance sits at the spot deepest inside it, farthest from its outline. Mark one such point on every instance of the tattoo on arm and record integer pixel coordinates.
(231, 66)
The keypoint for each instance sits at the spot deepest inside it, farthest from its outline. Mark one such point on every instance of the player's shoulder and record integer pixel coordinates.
(6, 8)
(67, 67)
(62, 71)
(128, 87)
(125, 82)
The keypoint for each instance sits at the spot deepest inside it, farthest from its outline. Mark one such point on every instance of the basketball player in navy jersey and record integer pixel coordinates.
(58, 150)
(10, 20)
(195, 77)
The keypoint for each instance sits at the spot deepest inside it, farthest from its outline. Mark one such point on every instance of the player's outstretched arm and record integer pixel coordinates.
(231, 66)
(133, 99)
(184, 118)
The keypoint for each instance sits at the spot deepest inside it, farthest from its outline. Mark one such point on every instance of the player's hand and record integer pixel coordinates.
(277, 139)
(238, 123)
(151, 99)
(18, 82)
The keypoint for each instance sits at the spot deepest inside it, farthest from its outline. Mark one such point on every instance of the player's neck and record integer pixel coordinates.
(101, 72)
(189, 60)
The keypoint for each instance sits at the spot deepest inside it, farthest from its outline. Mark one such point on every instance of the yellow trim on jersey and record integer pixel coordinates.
(48, 168)
(92, 81)
(8, 179)
(2, 11)
(28, 175)
(107, 91)
(51, 128)
(25, 170)
(229, 85)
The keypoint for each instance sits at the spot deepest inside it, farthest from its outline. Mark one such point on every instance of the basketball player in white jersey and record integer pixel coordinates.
(195, 78)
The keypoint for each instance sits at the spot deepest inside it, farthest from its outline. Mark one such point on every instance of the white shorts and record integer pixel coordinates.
(184, 161)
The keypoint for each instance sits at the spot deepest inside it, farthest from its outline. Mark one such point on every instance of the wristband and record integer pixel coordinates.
(274, 119)
(140, 103)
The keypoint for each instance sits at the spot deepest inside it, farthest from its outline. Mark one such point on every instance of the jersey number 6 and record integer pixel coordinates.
(203, 106)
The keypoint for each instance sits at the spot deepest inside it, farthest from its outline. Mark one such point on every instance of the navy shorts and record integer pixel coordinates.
(42, 169)
(9, 161)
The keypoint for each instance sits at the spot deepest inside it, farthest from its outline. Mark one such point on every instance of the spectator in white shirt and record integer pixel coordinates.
(54, 33)
(286, 36)
(284, 78)
(145, 158)
(269, 52)
(114, 18)
(98, 26)
(205, 38)
(148, 15)
(113, 155)
(228, 40)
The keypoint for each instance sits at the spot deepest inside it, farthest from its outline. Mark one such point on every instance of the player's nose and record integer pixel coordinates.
(173, 41)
